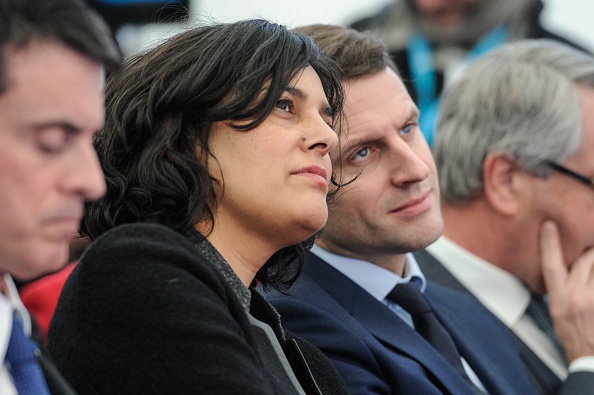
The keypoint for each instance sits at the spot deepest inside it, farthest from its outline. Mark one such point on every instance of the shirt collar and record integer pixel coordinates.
(376, 280)
(10, 304)
(500, 291)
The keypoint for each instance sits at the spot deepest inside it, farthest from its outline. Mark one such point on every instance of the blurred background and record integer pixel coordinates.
(138, 24)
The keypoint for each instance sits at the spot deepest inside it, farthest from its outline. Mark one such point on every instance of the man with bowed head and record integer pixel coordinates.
(52, 59)
(515, 163)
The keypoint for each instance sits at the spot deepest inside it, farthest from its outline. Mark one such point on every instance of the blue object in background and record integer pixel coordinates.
(420, 55)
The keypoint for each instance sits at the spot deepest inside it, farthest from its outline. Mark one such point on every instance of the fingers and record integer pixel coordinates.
(571, 293)
(553, 265)
(582, 270)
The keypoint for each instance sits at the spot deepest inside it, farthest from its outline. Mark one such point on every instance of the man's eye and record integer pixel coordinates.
(408, 129)
(52, 141)
(361, 154)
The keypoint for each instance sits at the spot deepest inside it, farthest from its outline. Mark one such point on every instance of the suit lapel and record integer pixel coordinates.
(478, 333)
(383, 324)
(540, 375)
(434, 271)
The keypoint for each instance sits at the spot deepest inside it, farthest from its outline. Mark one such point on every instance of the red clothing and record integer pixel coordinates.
(41, 296)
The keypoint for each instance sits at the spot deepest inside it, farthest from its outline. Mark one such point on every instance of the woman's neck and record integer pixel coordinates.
(244, 252)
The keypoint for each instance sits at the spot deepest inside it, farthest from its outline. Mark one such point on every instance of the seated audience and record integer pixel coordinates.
(513, 150)
(361, 297)
(216, 155)
(53, 58)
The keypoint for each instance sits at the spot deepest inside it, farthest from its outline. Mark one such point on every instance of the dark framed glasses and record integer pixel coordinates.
(564, 170)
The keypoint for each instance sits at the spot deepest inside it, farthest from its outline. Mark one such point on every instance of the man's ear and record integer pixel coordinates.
(500, 180)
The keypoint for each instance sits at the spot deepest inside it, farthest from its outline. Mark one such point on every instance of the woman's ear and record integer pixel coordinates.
(500, 179)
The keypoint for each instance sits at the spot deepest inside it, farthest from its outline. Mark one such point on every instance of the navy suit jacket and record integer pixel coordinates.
(378, 353)
(544, 379)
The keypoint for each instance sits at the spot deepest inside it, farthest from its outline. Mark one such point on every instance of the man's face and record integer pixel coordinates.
(393, 205)
(52, 107)
(565, 200)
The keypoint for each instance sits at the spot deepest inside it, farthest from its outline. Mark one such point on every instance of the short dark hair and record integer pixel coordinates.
(357, 53)
(160, 107)
(68, 22)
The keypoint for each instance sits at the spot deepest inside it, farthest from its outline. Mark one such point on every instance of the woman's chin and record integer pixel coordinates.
(314, 224)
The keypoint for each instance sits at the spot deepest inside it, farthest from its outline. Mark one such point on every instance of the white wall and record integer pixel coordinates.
(573, 18)
(291, 13)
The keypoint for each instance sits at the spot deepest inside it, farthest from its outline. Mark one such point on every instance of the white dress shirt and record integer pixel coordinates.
(10, 303)
(507, 298)
(378, 282)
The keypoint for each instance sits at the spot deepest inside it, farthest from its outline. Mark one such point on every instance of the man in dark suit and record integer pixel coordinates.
(510, 150)
(349, 299)
(52, 58)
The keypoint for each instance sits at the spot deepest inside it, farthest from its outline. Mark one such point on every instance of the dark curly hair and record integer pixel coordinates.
(160, 107)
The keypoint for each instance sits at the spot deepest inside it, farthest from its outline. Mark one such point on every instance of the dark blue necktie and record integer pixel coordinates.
(410, 298)
(24, 369)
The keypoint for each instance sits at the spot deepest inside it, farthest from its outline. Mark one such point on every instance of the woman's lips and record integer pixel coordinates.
(315, 173)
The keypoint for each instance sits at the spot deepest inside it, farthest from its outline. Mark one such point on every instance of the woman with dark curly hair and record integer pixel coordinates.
(215, 150)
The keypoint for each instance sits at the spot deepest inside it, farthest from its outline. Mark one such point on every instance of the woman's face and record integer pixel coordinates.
(275, 177)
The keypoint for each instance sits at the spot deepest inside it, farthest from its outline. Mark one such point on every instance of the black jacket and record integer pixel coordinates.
(145, 313)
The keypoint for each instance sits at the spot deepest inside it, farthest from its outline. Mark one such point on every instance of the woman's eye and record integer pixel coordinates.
(284, 105)
(361, 154)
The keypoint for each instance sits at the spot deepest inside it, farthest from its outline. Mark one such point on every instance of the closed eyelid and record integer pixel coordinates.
(67, 127)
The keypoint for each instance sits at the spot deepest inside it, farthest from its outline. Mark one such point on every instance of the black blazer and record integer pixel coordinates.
(542, 377)
(144, 312)
(56, 383)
